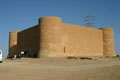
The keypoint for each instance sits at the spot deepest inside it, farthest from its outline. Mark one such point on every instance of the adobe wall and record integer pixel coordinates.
(60, 40)
(82, 41)
(52, 38)
(28, 40)
(108, 40)
(12, 43)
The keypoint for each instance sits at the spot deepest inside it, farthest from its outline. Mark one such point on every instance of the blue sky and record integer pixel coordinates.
(22, 14)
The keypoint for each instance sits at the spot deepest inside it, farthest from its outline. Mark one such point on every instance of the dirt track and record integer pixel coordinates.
(60, 69)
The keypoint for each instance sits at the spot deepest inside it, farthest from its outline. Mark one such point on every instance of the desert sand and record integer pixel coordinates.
(60, 69)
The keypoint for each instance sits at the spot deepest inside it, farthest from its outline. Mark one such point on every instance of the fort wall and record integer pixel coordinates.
(12, 43)
(108, 40)
(52, 38)
(82, 41)
(28, 41)
(59, 39)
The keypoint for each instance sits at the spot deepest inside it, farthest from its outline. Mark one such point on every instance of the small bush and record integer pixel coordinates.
(70, 57)
(84, 58)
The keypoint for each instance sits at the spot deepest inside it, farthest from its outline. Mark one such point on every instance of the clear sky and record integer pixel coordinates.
(22, 14)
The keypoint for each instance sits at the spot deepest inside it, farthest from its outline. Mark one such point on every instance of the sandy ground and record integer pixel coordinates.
(60, 69)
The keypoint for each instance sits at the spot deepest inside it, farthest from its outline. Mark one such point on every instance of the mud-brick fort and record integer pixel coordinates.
(52, 38)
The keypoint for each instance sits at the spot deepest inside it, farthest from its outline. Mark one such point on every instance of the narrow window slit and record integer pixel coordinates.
(64, 50)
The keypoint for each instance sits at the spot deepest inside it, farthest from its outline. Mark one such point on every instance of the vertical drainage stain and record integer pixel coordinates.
(64, 50)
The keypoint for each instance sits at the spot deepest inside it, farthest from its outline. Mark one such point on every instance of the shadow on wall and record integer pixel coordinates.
(12, 51)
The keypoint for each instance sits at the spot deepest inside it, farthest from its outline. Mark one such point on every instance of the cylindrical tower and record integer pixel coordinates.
(50, 36)
(108, 42)
(12, 43)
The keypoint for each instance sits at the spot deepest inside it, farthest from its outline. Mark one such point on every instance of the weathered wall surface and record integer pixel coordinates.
(108, 40)
(12, 43)
(60, 40)
(50, 37)
(82, 41)
(28, 40)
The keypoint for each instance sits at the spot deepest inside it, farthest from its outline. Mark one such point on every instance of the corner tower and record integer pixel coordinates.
(108, 42)
(50, 36)
(12, 43)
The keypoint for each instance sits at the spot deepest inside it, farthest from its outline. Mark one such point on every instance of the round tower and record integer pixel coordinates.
(50, 36)
(12, 43)
(108, 42)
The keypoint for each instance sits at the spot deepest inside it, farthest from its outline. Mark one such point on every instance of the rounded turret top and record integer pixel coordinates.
(50, 18)
(14, 31)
